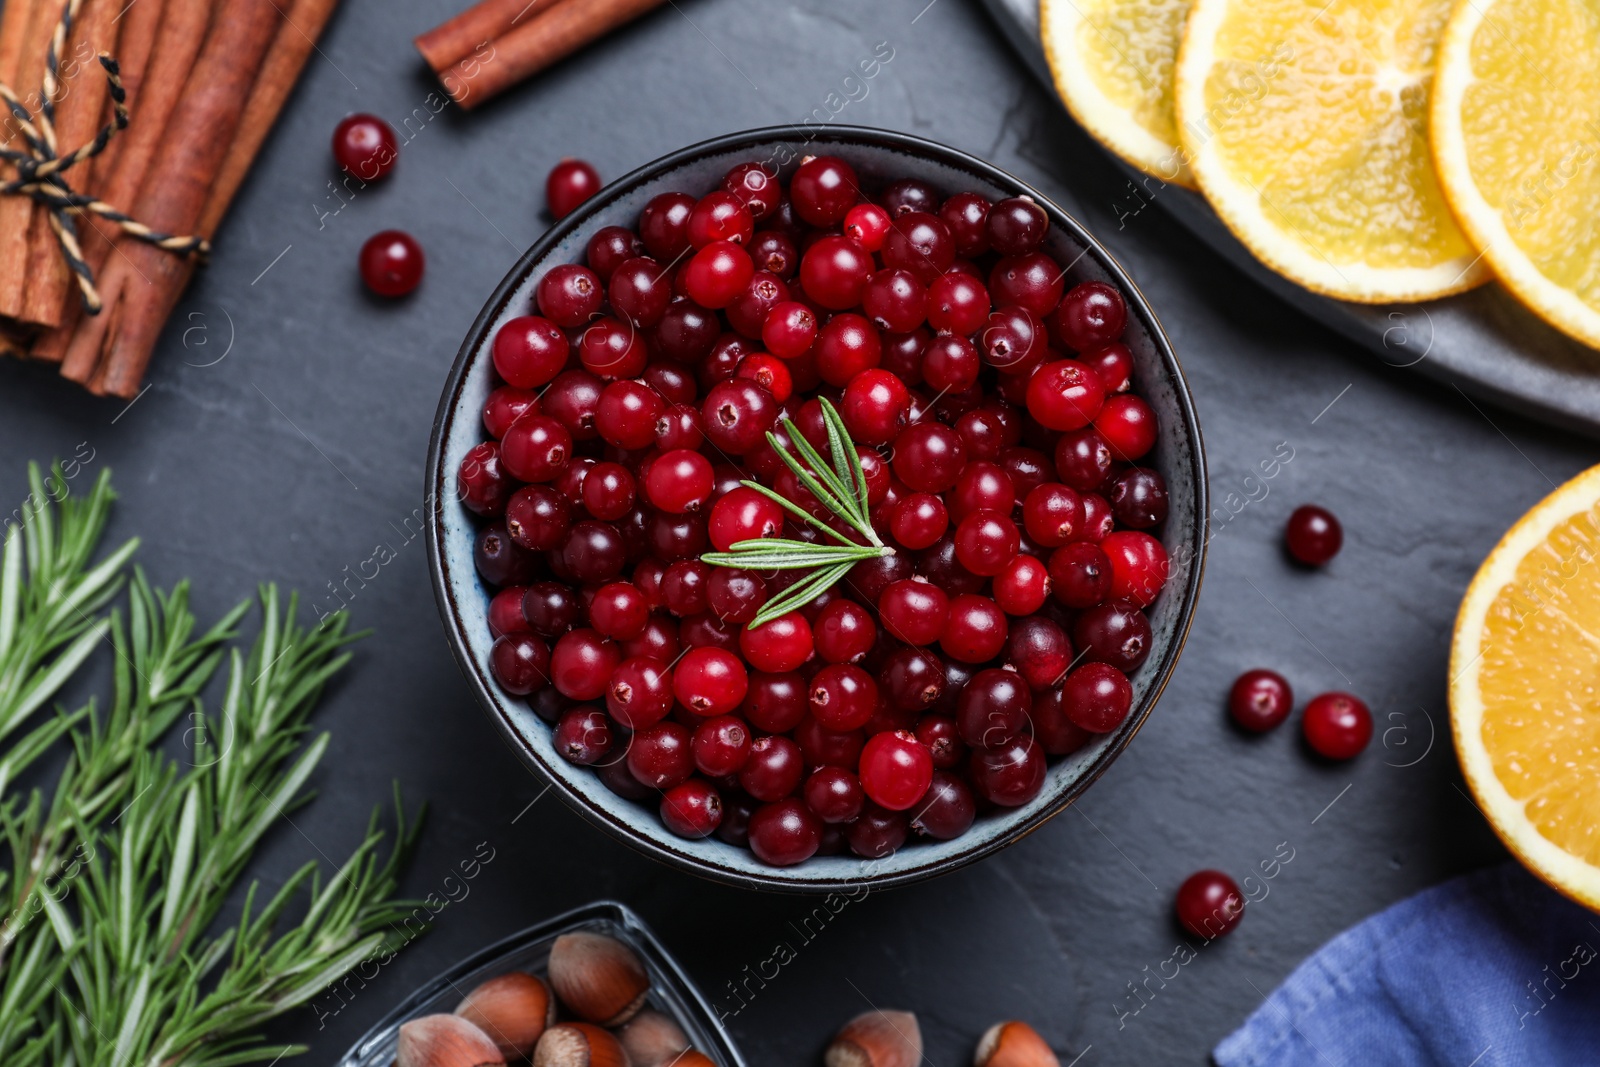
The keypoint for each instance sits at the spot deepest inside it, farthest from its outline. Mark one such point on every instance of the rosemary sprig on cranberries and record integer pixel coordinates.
(841, 488)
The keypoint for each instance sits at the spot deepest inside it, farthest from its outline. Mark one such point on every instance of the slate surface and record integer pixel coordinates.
(296, 454)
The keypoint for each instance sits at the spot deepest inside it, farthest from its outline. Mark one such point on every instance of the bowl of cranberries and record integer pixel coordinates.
(817, 513)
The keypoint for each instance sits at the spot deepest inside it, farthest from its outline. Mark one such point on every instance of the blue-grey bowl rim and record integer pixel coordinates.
(438, 494)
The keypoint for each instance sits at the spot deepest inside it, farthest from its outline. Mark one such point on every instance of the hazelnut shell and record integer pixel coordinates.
(598, 978)
(578, 1045)
(1014, 1044)
(513, 1009)
(652, 1039)
(444, 1041)
(877, 1039)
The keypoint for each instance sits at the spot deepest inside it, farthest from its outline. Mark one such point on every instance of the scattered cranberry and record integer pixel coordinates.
(391, 263)
(1313, 535)
(571, 182)
(1209, 904)
(1337, 725)
(365, 146)
(1260, 700)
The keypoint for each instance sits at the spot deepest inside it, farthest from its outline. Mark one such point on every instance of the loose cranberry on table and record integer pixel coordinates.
(1260, 700)
(1313, 535)
(365, 146)
(1209, 904)
(570, 183)
(649, 401)
(1337, 726)
(392, 263)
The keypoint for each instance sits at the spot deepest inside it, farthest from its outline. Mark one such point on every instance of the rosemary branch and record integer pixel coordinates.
(109, 948)
(841, 488)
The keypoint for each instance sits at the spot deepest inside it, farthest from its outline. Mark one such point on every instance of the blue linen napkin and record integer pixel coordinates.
(1492, 969)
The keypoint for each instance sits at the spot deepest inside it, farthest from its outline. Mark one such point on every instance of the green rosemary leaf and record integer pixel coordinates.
(781, 560)
(837, 436)
(813, 478)
(854, 474)
(801, 592)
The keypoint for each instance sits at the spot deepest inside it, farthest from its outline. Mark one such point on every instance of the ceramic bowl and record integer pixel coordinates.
(879, 157)
(671, 991)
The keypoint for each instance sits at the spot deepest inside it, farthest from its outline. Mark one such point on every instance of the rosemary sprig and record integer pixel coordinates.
(839, 486)
(110, 951)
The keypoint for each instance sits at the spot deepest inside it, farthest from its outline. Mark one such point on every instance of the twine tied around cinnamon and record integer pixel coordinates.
(41, 170)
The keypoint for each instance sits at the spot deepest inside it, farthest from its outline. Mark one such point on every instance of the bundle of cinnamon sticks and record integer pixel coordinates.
(497, 43)
(205, 82)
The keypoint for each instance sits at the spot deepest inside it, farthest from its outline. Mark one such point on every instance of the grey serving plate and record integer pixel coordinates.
(879, 156)
(1482, 341)
(671, 991)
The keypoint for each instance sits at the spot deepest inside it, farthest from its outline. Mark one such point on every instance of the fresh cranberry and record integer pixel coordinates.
(1012, 340)
(718, 273)
(506, 405)
(551, 608)
(505, 612)
(918, 520)
(1083, 459)
(365, 146)
(1128, 425)
(844, 632)
(570, 183)
(928, 457)
(593, 551)
(392, 263)
(735, 827)
(572, 400)
(1313, 535)
(1065, 395)
(569, 295)
(1052, 514)
(957, 304)
(847, 346)
(609, 248)
(785, 833)
(834, 794)
(919, 243)
(994, 708)
(874, 406)
(661, 756)
(581, 664)
(737, 415)
(721, 746)
(743, 515)
(938, 565)
(736, 595)
(1038, 649)
(1091, 316)
(946, 810)
(679, 481)
(976, 630)
(823, 190)
(482, 484)
(684, 587)
(675, 537)
(775, 253)
(1098, 519)
(1011, 774)
(775, 703)
(1080, 575)
(1097, 697)
(692, 809)
(834, 272)
(1016, 226)
(1139, 565)
(1337, 725)
(664, 225)
(842, 697)
(709, 681)
(1139, 498)
(639, 693)
(1114, 365)
(500, 560)
(913, 611)
(1209, 904)
(895, 301)
(608, 491)
(686, 332)
(1260, 700)
(867, 225)
(869, 578)
(521, 663)
(1056, 733)
(895, 770)
(912, 680)
(951, 363)
(985, 542)
(789, 329)
(823, 747)
(769, 372)
(1116, 633)
(773, 769)
(582, 736)
(966, 215)
(619, 611)
(779, 645)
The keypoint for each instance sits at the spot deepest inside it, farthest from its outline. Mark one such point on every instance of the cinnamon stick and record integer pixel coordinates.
(84, 91)
(16, 212)
(541, 40)
(447, 44)
(198, 136)
(177, 44)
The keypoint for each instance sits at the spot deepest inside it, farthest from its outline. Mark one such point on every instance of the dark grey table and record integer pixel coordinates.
(295, 454)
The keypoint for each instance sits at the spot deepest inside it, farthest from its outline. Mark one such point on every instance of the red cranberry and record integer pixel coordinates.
(661, 756)
(1038, 650)
(743, 515)
(569, 295)
(735, 828)
(895, 770)
(717, 274)
(1083, 459)
(1114, 365)
(505, 612)
(844, 632)
(769, 372)
(720, 216)
(918, 520)
(755, 187)
(976, 630)
(966, 215)
(874, 406)
(1097, 697)
(1128, 425)
(392, 263)
(683, 587)
(679, 481)
(994, 708)
(1056, 733)
(500, 560)
(521, 663)
(608, 491)
(1098, 519)
(1091, 315)
(1139, 498)
(1313, 535)
(938, 565)
(1032, 280)
(709, 681)
(847, 346)
(946, 810)
(572, 400)
(773, 769)
(505, 406)
(675, 537)
(1012, 340)
(721, 746)
(737, 415)
(1139, 565)
(686, 332)
(692, 809)
(1080, 575)
(529, 351)
(481, 482)
(1116, 633)
(913, 611)
(823, 747)
(619, 611)
(582, 736)
(1260, 700)
(775, 703)
(1052, 514)
(869, 578)
(1337, 725)
(664, 225)
(912, 679)
(823, 190)
(920, 244)
(785, 833)
(639, 693)
(867, 225)
(609, 248)
(571, 182)
(834, 794)
(551, 608)
(1209, 904)
(775, 253)
(365, 146)
(1065, 395)
(582, 663)
(1016, 226)
(985, 542)
(658, 641)
(895, 301)
(843, 697)
(735, 595)
(593, 551)
(779, 645)
(789, 329)
(640, 290)
(834, 272)
(1010, 775)
(928, 457)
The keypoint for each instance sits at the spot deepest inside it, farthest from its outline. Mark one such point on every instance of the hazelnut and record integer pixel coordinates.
(877, 1039)
(578, 1045)
(1013, 1044)
(444, 1041)
(599, 978)
(652, 1039)
(513, 1009)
